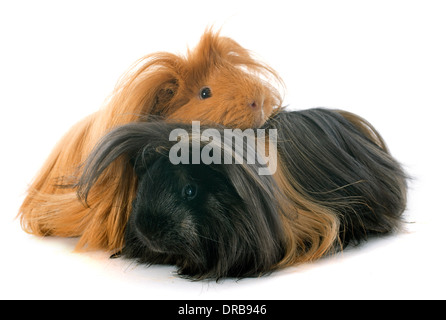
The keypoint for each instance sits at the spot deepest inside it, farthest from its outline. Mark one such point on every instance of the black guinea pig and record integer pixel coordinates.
(210, 220)
(225, 209)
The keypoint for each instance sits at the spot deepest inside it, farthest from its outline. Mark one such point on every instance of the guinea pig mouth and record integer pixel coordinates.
(260, 117)
(261, 111)
(162, 242)
(154, 246)
(154, 243)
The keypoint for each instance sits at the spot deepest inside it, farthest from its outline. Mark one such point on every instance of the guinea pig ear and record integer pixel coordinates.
(148, 87)
(163, 97)
(127, 140)
(142, 159)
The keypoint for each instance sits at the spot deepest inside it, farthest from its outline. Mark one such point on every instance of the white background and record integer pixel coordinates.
(385, 60)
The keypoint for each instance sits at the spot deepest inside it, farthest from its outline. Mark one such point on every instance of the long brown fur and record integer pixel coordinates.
(160, 84)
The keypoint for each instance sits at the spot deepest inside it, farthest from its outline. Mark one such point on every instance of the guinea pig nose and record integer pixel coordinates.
(253, 105)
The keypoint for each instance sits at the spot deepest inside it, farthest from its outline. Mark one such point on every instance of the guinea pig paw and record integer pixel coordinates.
(116, 255)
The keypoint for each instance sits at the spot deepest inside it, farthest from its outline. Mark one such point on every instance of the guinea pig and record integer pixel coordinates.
(217, 82)
(335, 183)
(210, 220)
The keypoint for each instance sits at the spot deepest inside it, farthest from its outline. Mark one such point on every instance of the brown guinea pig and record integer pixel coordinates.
(217, 82)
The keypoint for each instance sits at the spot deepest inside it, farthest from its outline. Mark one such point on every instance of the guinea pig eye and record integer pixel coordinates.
(189, 191)
(205, 93)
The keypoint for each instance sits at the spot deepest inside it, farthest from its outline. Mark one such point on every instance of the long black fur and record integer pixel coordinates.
(345, 166)
(231, 226)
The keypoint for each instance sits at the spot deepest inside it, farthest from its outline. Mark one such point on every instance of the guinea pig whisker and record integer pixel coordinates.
(210, 239)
